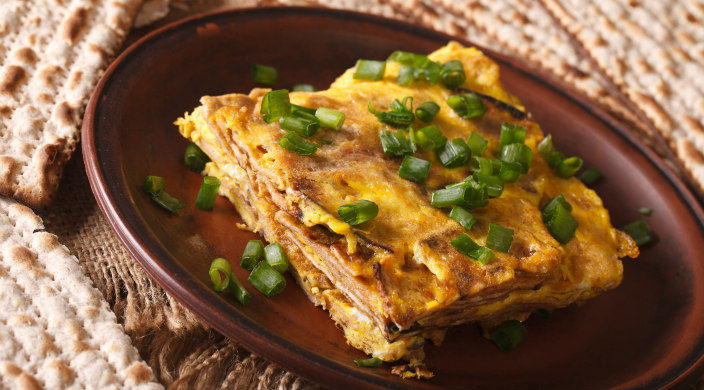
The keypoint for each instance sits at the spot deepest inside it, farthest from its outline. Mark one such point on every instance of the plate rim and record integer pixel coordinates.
(331, 373)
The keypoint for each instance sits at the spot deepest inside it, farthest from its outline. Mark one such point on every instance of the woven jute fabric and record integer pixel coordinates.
(182, 351)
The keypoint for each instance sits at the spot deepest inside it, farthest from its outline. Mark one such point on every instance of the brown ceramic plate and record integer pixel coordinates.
(649, 332)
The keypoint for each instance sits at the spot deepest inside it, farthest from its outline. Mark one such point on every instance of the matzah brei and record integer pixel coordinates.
(51, 56)
(56, 330)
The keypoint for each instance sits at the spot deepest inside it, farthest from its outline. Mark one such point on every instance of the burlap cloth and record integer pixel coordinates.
(182, 350)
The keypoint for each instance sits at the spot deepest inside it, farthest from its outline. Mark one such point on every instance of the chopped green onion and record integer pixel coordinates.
(471, 249)
(401, 114)
(358, 211)
(454, 153)
(330, 118)
(510, 171)
(325, 142)
(468, 105)
(253, 252)
(208, 192)
(589, 176)
(427, 111)
(276, 257)
(645, 211)
(548, 152)
(195, 159)
(542, 313)
(302, 123)
(509, 335)
(405, 75)
(463, 217)
(263, 74)
(414, 66)
(414, 169)
(558, 220)
(496, 166)
(155, 186)
(494, 184)
(296, 109)
(518, 153)
(303, 88)
(294, 143)
(275, 104)
(451, 196)
(427, 69)
(453, 74)
(639, 231)
(481, 165)
(395, 143)
(371, 362)
(220, 273)
(369, 70)
(511, 134)
(238, 291)
(568, 167)
(499, 238)
(430, 137)
(477, 144)
(266, 279)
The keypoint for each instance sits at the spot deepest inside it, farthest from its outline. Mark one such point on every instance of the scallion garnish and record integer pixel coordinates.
(558, 220)
(400, 115)
(511, 134)
(220, 273)
(517, 153)
(263, 74)
(414, 169)
(405, 74)
(468, 105)
(453, 74)
(481, 165)
(275, 104)
(427, 111)
(568, 167)
(301, 122)
(509, 335)
(253, 252)
(358, 211)
(417, 66)
(590, 176)
(294, 143)
(194, 158)
(266, 279)
(238, 291)
(430, 137)
(395, 143)
(326, 142)
(463, 217)
(548, 152)
(499, 238)
(155, 186)
(477, 144)
(369, 70)
(303, 88)
(451, 196)
(471, 249)
(208, 192)
(494, 184)
(639, 231)
(510, 171)
(330, 118)
(276, 257)
(296, 109)
(371, 362)
(645, 211)
(454, 153)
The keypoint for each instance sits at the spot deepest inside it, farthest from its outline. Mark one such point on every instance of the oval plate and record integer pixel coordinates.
(646, 333)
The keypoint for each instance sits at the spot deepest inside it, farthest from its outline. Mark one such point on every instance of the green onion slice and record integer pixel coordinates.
(558, 220)
(471, 249)
(511, 134)
(548, 152)
(253, 252)
(645, 211)
(414, 169)
(276, 257)
(463, 217)
(454, 153)
(297, 110)
(510, 171)
(155, 186)
(194, 158)
(263, 74)
(266, 279)
(358, 211)
(302, 123)
(453, 74)
(639, 231)
(568, 167)
(494, 184)
(238, 291)
(326, 142)
(430, 137)
(518, 153)
(554, 202)
(468, 105)
(294, 143)
(371, 362)
(400, 115)
(416, 65)
(369, 70)
(275, 104)
(220, 273)
(481, 165)
(499, 238)
(330, 118)
(509, 335)
(427, 111)
(303, 88)
(477, 144)
(208, 192)
(395, 143)
(590, 176)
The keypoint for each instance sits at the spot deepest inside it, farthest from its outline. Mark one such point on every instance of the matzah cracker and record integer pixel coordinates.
(52, 53)
(654, 52)
(56, 330)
